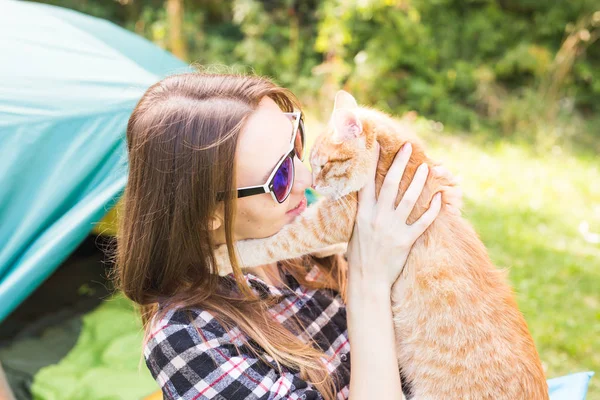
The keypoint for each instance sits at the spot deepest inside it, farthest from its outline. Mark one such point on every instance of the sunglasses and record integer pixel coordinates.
(281, 179)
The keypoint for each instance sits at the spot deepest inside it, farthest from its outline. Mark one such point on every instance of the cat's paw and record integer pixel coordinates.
(338, 248)
(222, 259)
(452, 195)
(249, 253)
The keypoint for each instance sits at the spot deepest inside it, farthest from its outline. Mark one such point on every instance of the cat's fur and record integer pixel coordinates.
(459, 332)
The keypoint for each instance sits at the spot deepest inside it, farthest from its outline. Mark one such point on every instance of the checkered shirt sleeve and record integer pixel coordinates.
(193, 357)
(205, 364)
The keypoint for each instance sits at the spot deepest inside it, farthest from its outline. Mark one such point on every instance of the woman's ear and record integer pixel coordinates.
(216, 220)
(214, 223)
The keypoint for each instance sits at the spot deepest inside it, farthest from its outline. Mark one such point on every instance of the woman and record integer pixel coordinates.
(278, 331)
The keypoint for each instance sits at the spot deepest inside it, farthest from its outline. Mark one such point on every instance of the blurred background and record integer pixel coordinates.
(520, 67)
(505, 92)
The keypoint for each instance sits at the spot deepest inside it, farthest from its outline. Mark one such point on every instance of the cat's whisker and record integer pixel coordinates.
(433, 303)
(344, 203)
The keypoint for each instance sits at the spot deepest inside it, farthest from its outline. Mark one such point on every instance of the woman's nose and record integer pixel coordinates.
(303, 179)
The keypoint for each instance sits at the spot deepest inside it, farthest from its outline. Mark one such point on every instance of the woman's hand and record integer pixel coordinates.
(377, 253)
(382, 239)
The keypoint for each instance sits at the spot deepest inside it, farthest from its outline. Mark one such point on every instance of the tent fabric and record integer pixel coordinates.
(106, 362)
(68, 83)
(570, 387)
(25, 356)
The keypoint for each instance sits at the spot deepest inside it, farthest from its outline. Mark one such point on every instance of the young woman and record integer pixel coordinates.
(278, 331)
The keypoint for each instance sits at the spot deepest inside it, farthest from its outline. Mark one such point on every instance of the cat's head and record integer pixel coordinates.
(342, 156)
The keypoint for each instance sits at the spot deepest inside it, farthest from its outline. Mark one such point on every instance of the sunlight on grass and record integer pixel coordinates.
(529, 211)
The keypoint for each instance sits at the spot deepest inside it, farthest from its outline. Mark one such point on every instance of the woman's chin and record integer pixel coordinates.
(299, 209)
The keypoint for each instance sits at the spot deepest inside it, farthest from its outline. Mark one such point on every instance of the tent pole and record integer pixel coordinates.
(5, 392)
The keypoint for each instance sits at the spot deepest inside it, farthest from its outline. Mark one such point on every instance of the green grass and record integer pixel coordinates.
(527, 209)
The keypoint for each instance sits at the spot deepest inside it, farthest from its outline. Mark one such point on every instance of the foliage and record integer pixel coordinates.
(528, 69)
(538, 215)
(532, 211)
(465, 63)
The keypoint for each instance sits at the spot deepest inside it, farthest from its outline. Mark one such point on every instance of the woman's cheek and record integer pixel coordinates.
(279, 217)
(260, 216)
(271, 219)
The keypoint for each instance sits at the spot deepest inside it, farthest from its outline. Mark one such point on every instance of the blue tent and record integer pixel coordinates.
(68, 83)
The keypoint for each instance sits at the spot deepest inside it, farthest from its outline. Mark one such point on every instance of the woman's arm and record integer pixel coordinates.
(377, 253)
(374, 366)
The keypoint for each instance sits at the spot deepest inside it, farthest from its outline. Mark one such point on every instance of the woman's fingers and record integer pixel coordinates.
(420, 225)
(389, 189)
(413, 192)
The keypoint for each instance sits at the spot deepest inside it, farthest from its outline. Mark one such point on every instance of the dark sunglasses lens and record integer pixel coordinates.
(282, 182)
(299, 142)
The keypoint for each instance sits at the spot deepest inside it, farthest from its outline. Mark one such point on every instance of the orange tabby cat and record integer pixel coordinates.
(459, 332)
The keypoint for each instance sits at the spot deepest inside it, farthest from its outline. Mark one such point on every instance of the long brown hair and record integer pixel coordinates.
(181, 141)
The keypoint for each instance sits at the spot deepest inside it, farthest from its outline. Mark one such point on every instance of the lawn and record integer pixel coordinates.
(530, 210)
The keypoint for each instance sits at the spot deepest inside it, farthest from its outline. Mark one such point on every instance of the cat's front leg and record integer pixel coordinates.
(331, 250)
(328, 222)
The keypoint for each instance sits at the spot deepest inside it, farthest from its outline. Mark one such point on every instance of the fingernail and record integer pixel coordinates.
(424, 167)
(406, 148)
(438, 196)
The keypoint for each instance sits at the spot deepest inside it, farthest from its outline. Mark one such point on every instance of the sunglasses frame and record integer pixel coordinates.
(267, 187)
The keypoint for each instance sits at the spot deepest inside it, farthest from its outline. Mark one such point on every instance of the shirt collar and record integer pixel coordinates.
(264, 289)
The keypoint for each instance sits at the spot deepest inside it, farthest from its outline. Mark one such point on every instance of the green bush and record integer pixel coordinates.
(463, 62)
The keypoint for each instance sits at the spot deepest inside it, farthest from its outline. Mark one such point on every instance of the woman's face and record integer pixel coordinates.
(266, 138)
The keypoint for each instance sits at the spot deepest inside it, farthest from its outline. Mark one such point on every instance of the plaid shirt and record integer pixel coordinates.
(205, 363)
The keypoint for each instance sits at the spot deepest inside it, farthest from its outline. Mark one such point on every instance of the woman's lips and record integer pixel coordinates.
(299, 208)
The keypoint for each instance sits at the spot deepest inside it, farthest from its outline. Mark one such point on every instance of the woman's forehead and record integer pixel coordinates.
(264, 139)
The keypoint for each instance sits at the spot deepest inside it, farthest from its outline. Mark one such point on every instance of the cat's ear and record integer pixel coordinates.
(346, 125)
(344, 99)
